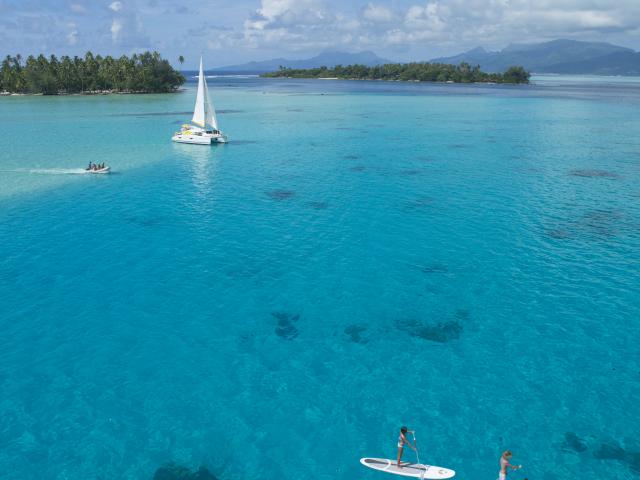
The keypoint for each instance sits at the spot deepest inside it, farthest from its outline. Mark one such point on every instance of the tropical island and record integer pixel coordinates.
(141, 73)
(417, 72)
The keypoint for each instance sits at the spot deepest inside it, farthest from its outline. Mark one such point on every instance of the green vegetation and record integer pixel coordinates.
(421, 72)
(143, 73)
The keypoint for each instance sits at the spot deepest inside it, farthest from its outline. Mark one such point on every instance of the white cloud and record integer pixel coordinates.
(289, 14)
(348, 25)
(404, 29)
(568, 19)
(429, 27)
(116, 29)
(214, 44)
(377, 13)
(72, 36)
(78, 8)
(430, 17)
(126, 27)
(295, 24)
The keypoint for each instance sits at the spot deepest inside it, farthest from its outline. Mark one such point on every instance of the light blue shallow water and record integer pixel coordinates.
(460, 259)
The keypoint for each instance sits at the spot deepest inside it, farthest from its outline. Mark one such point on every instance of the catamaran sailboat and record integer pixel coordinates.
(203, 129)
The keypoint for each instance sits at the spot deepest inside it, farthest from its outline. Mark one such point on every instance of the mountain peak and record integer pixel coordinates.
(562, 43)
(555, 56)
(476, 51)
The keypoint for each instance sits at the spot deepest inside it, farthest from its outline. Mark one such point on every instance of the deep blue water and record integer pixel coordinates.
(461, 259)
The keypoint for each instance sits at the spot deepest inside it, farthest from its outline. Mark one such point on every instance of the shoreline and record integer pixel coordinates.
(409, 72)
(399, 81)
(88, 93)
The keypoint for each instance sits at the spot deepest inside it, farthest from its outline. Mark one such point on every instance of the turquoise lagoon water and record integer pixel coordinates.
(460, 259)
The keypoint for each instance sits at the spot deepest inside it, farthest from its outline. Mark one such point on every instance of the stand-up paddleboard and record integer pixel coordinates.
(407, 469)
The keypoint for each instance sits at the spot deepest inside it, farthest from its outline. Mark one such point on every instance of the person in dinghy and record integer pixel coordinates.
(402, 441)
(94, 167)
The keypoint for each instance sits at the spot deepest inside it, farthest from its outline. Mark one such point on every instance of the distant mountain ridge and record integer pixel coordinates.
(557, 56)
(328, 59)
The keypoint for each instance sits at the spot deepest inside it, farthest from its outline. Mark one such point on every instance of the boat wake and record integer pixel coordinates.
(49, 171)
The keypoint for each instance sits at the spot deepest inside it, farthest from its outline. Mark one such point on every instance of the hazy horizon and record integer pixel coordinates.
(229, 33)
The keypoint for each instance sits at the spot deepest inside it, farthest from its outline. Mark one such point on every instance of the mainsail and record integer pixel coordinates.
(203, 113)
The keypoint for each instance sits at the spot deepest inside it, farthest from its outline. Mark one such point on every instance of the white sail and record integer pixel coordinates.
(199, 112)
(210, 116)
(203, 113)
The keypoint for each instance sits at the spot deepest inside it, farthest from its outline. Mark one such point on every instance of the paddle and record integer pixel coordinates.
(415, 445)
(415, 449)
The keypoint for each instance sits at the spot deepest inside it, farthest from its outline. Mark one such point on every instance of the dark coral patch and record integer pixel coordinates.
(420, 202)
(286, 330)
(280, 194)
(610, 451)
(285, 327)
(435, 268)
(354, 333)
(247, 338)
(558, 233)
(573, 443)
(589, 173)
(357, 168)
(352, 157)
(633, 459)
(602, 222)
(442, 332)
(410, 172)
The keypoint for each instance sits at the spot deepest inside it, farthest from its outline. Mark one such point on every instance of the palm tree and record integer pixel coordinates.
(146, 72)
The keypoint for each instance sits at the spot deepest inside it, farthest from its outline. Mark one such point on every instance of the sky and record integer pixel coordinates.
(229, 32)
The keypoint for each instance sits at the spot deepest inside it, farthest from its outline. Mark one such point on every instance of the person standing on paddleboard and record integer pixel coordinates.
(504, 464)
(402, 441)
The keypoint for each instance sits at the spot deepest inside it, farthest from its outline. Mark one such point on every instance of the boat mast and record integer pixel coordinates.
(204, 113)
(199, 115)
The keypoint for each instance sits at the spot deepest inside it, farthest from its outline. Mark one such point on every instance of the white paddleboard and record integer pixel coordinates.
(408, 469)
